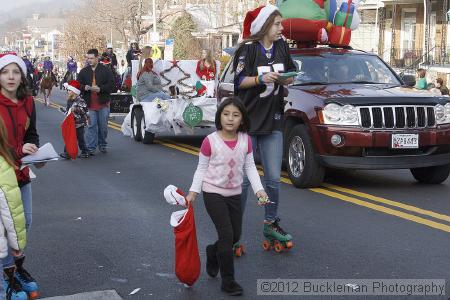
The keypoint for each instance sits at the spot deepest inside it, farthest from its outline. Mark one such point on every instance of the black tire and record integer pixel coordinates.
(431, 175)
(149, 137)
(136, 118)
(313, 172)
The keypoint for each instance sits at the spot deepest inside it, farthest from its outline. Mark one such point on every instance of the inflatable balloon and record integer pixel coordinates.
(303, 19)
(345, 14)
(319, 21)
(356, 20)
(302, 9)
(330, 9)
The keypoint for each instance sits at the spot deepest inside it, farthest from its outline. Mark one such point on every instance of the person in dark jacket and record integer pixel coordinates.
(133, 53)
(112, 56)
(97, 83)
(19, 115)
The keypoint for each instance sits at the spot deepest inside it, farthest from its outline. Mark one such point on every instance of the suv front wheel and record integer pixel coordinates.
(431, 175)
(303, 167)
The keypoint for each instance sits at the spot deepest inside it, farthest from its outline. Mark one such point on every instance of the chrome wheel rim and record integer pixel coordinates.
(143, 127)
(296, 156)
(134, 126)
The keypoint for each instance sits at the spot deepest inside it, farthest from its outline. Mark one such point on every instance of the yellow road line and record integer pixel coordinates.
(389, 202)
(194, 151)
(384, 209)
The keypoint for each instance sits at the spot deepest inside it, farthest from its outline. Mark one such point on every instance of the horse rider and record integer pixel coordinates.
(30, 69)
(48, 68)
(72, 68)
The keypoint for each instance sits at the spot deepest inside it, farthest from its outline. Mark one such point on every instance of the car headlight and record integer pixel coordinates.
(442, 113)
(349, 113)
(335, 114)
(332, 112)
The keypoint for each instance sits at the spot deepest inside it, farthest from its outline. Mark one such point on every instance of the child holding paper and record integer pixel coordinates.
(19, 115)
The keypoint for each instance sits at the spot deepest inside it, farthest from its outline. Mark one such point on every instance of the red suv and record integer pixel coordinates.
(348, 109)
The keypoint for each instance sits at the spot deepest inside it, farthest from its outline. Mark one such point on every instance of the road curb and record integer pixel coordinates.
(98, 295)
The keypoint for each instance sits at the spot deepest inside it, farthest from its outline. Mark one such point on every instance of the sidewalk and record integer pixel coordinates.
(99, 295)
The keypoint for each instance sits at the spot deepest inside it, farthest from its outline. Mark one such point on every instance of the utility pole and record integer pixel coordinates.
(154, 15)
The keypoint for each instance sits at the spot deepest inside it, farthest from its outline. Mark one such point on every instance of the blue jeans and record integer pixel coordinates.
(270, 147)
(150, 97)
(97, 129)
(27, 197)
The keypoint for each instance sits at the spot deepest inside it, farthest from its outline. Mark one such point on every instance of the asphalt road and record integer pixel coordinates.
(102, 223)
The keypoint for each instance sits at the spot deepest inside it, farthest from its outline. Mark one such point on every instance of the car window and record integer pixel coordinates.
(340, 68)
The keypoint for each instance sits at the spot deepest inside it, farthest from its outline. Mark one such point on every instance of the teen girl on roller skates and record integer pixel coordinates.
(258, 63)
(225, 156)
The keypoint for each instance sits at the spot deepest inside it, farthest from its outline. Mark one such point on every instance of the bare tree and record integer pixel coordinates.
(81, 35)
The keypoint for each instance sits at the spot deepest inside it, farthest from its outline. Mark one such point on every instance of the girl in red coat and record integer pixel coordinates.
(19, 115)
(206, 67)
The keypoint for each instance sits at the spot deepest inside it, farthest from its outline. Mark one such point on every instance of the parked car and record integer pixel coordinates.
(348, 109)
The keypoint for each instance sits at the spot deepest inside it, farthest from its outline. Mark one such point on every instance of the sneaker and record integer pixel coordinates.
(103, 150)
(231, 287)
(84, 155)
(91, 152)
(64, 155)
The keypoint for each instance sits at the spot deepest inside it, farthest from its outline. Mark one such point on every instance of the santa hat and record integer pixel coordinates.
(174, 195)
(11, 57)
(255, 19)
(73, 86)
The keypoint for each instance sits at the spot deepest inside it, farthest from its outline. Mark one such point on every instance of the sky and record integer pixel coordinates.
(10, 5)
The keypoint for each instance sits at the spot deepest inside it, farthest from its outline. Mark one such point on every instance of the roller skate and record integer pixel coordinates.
(238, 249)
(276, 237)
(12, 287)
(27, 282)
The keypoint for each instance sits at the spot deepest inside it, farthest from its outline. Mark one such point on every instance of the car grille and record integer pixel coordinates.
(397, 117)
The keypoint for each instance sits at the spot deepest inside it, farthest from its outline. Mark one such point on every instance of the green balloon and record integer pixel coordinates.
(133, 91)
(192, 115)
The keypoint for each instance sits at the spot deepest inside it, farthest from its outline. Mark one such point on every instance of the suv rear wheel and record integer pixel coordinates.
(303, 167)
(432, 175)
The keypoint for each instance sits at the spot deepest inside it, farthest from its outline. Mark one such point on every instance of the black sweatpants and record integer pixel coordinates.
(226, 214)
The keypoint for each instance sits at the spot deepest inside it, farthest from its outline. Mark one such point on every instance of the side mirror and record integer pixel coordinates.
(409, 80)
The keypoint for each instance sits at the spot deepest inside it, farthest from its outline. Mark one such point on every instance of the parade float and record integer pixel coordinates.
(194, 105)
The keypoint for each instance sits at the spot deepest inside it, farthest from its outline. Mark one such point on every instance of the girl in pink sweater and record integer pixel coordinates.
(224, 157)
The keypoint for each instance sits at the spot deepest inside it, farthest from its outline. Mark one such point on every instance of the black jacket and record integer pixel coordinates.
(104, 79)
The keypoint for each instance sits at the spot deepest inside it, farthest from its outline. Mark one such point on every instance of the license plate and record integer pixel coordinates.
(405, 141)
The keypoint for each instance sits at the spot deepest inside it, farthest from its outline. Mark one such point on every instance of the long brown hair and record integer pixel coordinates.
(5, 151)
(209, 59)
(259, 36)
(148, 67)
(146, 53)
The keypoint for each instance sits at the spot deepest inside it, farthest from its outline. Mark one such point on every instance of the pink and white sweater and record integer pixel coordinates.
(222, 164)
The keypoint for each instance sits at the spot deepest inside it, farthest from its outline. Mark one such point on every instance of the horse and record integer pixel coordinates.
(46, 86)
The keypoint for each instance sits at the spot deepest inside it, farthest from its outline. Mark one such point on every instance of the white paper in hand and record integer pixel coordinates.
(45, 153)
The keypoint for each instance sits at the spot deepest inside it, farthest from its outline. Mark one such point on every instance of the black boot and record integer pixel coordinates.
(226, 265)
(212, 265)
